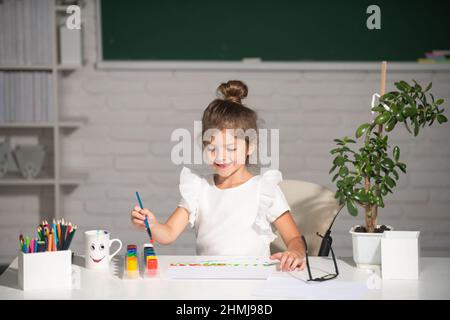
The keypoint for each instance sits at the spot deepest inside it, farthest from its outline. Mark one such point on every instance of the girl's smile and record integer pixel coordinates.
(222, 166)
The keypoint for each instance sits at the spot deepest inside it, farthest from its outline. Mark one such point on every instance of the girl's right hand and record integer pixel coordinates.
(138, 216)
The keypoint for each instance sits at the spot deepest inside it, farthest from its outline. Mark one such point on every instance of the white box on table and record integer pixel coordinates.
(400, 255)
(45, 270)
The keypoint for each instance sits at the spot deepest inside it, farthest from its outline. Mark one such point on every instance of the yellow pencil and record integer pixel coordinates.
(58, 226)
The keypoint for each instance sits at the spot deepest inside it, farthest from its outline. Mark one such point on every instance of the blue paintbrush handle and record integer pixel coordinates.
(147, 226)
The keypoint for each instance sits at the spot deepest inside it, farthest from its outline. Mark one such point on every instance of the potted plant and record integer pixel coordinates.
(365, 176)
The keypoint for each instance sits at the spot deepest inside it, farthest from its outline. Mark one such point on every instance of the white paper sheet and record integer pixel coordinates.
(242, 268)
(285, 285)
(295, 285)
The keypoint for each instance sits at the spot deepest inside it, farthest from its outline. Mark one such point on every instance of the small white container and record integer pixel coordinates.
(400, 255)
(45, 270)
(70, 46)
(367, 248)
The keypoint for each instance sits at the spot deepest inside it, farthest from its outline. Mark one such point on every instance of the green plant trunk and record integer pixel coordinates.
(371, 218)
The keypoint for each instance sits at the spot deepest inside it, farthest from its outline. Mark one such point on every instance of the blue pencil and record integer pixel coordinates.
(55, 233)
(146, 220)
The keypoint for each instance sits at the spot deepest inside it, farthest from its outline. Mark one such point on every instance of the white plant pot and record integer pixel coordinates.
(367, 248)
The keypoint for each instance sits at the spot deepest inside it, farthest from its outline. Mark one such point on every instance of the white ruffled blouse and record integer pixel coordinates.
(233, 221)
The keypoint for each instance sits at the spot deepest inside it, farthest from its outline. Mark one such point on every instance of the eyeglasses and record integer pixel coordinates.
(327, 276)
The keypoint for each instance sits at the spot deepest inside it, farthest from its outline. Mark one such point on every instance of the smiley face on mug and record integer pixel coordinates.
(97, 245)
(97, 251)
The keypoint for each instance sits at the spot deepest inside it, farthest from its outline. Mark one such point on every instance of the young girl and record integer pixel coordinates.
(230, 210)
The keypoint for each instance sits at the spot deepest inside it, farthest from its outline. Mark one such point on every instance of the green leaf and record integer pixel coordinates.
(367, 169)
(362, 129)
(335, 177)
(379, 201)
(343, 171)
(433, 117)
(402, 166)
(332, 169)
(383, 190)
(361, 196)
(411, 101)
(336, 150)
(339, 161)
(341, 198)
(428, 87)
(396, 153)
(441, 118)
(382, 118)
(407, 127)
(378, 109)
(394, 108)
(418, 86)
(388, 96)
(395, 173)
(402, 86)
(409, 112)
(351, 208)
(439, 101)
(391, 124)
(389, 190)
(391, 183)
(400, 117)
(388, 163)
(416, 127)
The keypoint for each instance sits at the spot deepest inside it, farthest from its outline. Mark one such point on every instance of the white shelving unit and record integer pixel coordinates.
(57, 126)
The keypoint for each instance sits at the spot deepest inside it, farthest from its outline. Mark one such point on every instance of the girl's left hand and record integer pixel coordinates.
(289, 260)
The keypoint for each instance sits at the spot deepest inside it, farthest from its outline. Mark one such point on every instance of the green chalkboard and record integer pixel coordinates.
(277, 30)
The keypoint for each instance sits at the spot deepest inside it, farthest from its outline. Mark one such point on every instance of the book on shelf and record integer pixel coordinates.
(25, 37)
(436, 56)
(2, 97)
(26, 96)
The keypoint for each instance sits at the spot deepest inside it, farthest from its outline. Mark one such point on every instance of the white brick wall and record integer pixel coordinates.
(126, 146)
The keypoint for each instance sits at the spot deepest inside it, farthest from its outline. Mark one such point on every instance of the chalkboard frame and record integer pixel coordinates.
(252, 64)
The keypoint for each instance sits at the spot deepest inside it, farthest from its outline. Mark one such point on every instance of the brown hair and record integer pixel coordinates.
(227, 111)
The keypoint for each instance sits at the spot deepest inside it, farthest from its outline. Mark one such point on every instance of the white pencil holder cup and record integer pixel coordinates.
(45, 270)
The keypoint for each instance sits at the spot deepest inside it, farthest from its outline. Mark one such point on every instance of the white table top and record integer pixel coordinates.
(434, 283)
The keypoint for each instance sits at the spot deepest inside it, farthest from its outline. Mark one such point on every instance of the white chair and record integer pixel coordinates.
(313, 207)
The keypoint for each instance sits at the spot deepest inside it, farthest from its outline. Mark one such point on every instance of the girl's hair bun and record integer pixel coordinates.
(233, 90)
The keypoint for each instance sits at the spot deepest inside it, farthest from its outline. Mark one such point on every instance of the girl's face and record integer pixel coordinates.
(225, 152)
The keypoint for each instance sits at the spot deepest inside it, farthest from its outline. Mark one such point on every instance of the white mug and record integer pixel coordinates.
(97, 247)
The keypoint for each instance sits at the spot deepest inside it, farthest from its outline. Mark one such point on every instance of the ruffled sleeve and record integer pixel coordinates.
(190, 185)
(271, 205)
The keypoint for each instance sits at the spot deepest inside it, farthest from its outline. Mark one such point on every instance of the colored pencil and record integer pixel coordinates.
(69, 239)
(49, 242)
(58, 225)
